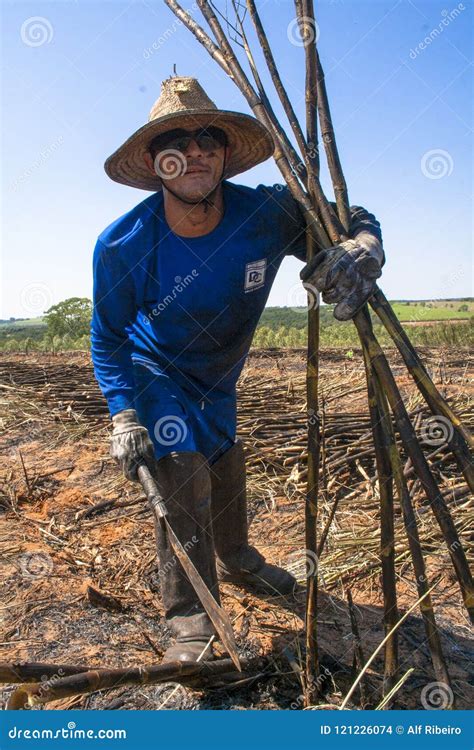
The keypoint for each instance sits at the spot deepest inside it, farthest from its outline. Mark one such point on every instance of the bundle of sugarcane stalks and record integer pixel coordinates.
(300, 167)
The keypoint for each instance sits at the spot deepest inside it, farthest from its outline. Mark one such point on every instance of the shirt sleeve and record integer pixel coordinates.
(114, 309)
(289, 219)
(293, 224)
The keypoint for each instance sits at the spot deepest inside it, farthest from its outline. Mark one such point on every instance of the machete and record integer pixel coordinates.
(217, 614)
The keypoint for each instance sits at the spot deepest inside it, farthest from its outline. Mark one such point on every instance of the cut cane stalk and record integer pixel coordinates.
(311, 504)
(413, 449)
(29, 694)
(382, 446)
(461, 439)
(409, 518)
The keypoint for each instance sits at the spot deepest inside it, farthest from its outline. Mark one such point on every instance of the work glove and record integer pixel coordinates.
(130, 443)
(346, 274)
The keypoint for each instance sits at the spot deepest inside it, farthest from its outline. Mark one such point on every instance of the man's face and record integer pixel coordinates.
(189, 162)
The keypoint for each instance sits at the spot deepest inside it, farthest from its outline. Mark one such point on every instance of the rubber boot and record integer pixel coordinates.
(183, 481)
(237, 561)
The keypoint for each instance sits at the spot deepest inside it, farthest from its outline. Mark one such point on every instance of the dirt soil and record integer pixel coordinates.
(54, 542)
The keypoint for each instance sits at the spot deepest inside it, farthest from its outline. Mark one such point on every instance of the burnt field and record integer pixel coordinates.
(79, 575)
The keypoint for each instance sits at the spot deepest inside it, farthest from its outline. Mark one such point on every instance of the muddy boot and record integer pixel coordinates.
(183, 481)
(237, 561)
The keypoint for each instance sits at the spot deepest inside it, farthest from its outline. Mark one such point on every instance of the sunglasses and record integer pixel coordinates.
(208, 139)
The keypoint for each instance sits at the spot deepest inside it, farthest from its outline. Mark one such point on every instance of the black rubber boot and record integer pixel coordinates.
(237, 561)
(183, 482)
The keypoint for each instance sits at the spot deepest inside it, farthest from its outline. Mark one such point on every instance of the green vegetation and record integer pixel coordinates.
(65, 327)
(426, 310)
(71, 317)
(344, 335)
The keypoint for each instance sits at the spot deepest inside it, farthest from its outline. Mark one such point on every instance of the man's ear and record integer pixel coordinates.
(149, 162)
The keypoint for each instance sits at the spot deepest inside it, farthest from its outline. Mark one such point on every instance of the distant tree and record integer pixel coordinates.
(463, 308)
(71, 316)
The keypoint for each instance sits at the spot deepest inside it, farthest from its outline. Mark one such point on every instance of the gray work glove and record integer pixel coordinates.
(130, 442)
(346, 274)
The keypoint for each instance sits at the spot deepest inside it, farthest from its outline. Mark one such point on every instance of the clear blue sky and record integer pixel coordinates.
(78, 81)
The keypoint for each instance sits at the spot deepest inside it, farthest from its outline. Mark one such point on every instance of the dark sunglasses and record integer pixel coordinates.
(208, 139)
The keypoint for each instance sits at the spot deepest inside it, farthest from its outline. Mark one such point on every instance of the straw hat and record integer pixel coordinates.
(183, 103)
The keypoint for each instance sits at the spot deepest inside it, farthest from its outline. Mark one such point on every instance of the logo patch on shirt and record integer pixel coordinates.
(255, 274)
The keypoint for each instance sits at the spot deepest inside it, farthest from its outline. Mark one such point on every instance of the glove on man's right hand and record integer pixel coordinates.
(130, 443)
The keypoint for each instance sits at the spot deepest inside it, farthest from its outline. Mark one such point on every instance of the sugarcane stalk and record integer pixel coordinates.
(380, 365)
(275, 75)
(305, 11)
(232, 67)
(32, 694)
(461, 439)
(294, 159)
(306, 22)
(413, 449)
(332, 154)
(315, 74)
(358, 650)
(311, 504)
(382, 446)
(419, 568)
(12, 672)
(409, 518)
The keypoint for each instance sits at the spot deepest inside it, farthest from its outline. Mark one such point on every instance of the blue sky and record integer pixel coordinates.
(80, 76)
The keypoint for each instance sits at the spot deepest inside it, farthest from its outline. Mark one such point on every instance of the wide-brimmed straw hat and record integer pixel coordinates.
(183, 103)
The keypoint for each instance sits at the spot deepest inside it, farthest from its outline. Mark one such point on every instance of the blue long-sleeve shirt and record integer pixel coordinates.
(190, 305)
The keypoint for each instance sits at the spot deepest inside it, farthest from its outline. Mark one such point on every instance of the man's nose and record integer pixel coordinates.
(193, 149)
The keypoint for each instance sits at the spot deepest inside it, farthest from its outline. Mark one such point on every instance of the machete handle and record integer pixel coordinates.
(151, 490)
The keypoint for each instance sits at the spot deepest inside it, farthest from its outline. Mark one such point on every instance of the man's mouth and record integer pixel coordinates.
(197, 170)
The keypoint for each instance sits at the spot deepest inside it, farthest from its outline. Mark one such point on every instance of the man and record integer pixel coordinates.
(180, 282)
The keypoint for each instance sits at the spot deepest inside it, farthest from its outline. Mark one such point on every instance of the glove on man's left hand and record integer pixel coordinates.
(346, 274)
